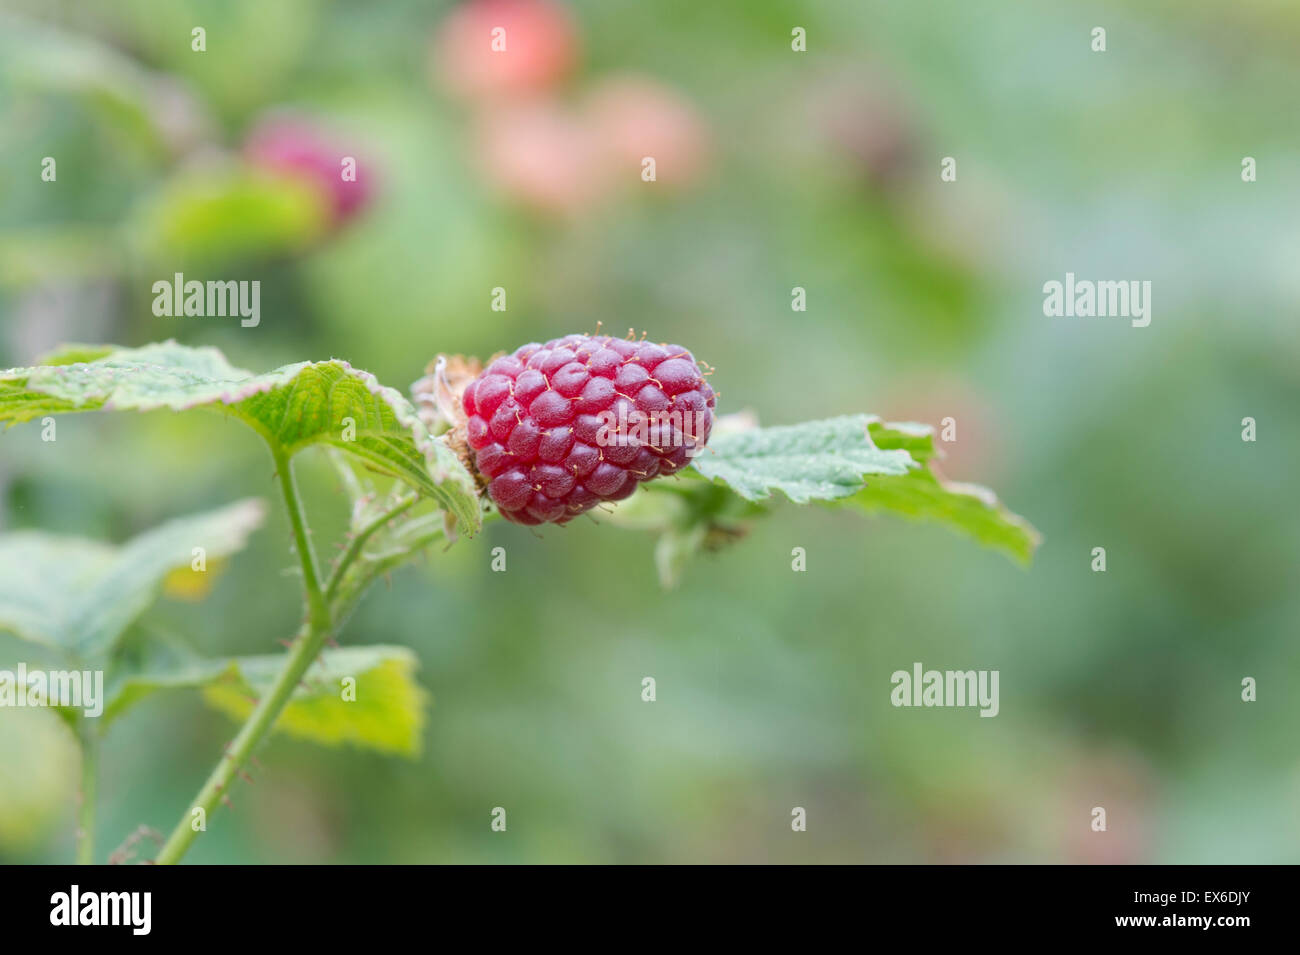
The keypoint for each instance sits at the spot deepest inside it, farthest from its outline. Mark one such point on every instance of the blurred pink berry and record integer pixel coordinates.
(494, 48)
(296, 148)
(634, 117)
(543, 156)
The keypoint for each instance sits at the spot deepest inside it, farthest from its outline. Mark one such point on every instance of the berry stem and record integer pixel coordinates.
(359, 541)
(306, 645)
(313, 595)
(89, 740)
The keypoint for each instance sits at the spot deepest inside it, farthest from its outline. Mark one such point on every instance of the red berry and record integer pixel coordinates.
(505, 48)
(557, 428)
(295, 148)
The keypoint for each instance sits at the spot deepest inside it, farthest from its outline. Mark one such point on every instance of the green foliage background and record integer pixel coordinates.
(924, 300)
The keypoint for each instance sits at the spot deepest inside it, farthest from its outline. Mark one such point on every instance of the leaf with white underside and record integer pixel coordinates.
(79, 596)
(858, 460)
(923, 495)
(383, 711)
(816, 460)
(292, 407)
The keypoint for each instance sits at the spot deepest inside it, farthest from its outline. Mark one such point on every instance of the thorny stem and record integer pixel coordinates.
(89, 740)
(314, 597)
(304, 649)
(359, 541)
(351, 591)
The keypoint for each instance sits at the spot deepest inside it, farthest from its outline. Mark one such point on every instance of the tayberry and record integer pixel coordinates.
(555, 429)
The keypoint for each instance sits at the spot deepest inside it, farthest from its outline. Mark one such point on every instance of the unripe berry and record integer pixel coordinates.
(295, 148)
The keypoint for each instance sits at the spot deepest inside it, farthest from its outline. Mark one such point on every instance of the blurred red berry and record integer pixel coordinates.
(296, 148)
(555, 429)
(494, 48)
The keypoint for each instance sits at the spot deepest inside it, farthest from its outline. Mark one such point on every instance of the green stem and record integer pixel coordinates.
(314, 596)
(305, 648)
(359, 541)
(89, 740)
(350, 591)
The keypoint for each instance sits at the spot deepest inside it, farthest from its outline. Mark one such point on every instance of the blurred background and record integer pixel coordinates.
(774, 169)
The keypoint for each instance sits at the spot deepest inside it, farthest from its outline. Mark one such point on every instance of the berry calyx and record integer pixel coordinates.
(556, 429)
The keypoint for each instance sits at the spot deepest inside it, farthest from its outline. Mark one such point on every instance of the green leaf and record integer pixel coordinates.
(817, 460)
(855, 461)
(295, 406)
(214, 215)
(149, 661)
(40, 58)
(40, 574)
(72, 353)
(387, 713)
(79, 596)
(922, 494)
